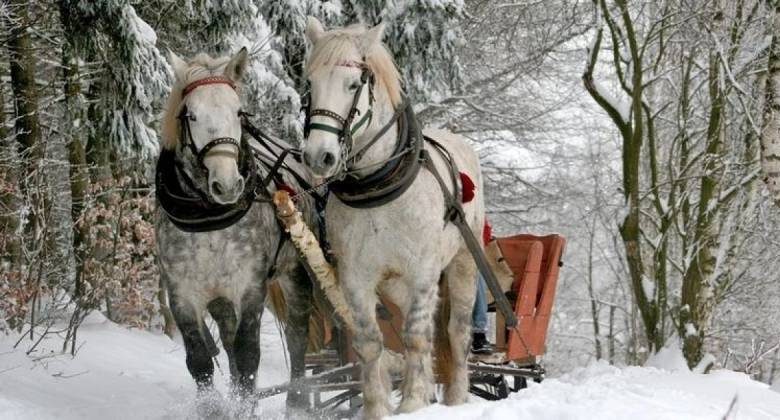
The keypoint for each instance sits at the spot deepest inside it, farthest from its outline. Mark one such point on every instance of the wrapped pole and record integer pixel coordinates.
(307, 244)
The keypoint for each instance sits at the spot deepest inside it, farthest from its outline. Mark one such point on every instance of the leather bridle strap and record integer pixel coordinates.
(211, 80)
(216, 142)
(347, 129)
(185, 125)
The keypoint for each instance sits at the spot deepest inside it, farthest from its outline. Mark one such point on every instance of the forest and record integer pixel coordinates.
(645, 132)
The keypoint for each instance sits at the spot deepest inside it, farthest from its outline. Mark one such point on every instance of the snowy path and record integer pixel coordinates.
(126, 374)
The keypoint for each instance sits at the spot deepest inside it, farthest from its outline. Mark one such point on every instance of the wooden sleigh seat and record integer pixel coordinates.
(534, 263)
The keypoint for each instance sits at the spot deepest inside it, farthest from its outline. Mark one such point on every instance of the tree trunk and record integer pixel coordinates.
(770, 133)
(697, 291)
(25, 92)
(9, 193)
(74, 120)
(594, 309)
(632, 131)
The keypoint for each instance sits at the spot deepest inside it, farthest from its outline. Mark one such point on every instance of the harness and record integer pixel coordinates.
(187, 206)
(398, 172)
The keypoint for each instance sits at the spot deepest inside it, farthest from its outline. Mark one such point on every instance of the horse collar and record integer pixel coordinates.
(394, 177)
(188, 208)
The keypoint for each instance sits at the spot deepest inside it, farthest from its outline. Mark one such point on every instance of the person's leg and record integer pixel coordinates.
(479, 315)
(479, 321)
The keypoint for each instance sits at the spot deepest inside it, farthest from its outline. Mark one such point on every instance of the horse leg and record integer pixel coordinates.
(299, 303)
(460, 276)
(247, 341)
(368, 344)
(223, 312)
(417, 388)
(189, 321)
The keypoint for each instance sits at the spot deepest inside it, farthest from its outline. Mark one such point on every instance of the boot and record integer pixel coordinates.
(480, 344)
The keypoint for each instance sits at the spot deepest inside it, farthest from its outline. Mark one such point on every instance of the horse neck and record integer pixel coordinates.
(383, 149)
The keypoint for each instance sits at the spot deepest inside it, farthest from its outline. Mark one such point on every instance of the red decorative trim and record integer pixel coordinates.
(211, 80)
(468, 187)
(487, 233)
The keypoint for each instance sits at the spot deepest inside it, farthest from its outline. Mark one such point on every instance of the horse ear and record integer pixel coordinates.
(236, 67)
(314, 29)
(374, 36)
(179, 66)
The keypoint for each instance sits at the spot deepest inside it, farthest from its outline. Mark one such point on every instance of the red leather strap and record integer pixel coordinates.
(211, 80)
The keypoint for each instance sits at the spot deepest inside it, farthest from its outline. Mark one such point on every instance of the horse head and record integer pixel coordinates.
(203, 123)
(349, 72)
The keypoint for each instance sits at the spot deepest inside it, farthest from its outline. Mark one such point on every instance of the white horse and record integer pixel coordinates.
(219, 252)
(402, 247)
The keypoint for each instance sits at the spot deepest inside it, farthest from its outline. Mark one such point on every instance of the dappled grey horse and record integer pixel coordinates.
(219, 243)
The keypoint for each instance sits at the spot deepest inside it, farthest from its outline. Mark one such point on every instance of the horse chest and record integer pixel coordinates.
(407, 231)
(203, 266)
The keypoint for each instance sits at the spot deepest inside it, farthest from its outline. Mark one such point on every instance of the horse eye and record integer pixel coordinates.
(191, 116)
(354, 86)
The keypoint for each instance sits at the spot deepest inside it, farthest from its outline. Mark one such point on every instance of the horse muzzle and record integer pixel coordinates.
(226, 192)
(321, 163)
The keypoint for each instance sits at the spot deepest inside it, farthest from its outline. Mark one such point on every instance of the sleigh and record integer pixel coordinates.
(527, 267)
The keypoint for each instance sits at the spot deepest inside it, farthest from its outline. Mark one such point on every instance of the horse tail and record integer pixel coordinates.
(442, 349)
(278, 304)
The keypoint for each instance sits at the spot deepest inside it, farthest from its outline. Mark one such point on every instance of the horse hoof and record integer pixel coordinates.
(409, 405)
(376, 413)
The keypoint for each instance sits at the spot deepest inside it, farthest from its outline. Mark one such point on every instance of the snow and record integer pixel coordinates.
(670, 358)
(120, 373)
(138, 27)
(608, 392)
(648, 286)
(690, 330)
(623, 107)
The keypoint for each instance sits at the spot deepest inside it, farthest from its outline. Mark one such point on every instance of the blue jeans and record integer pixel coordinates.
(479, 319)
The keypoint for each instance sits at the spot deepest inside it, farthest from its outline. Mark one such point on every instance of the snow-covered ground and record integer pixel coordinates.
(125, 374)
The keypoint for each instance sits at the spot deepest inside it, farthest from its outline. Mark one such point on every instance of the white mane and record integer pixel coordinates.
(335, 46)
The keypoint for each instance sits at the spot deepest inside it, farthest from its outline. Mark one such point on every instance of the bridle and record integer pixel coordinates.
(185, 117)
(346, 129)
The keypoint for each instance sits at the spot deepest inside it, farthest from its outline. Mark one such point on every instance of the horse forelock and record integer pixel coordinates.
(199, 67)
(336, 45)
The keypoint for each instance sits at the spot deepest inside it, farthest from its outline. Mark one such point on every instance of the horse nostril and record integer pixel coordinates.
(328, 159)
(307, 158)
(216, 188)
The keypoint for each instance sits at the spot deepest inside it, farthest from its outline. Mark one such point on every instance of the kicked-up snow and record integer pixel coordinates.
(120, 373)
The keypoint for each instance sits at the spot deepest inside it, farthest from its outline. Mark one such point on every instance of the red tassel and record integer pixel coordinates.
(284, 187)
(487, 233)
(468, 187)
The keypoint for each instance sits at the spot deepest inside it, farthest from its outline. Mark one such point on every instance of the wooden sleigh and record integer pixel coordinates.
(527, 267)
